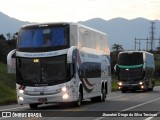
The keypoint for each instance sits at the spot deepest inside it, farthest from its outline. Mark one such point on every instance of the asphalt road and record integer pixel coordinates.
(124, 106)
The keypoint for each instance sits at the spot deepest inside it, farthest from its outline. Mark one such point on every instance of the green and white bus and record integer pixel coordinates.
(135, 70)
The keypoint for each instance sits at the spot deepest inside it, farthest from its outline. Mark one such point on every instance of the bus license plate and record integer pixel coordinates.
(42, 99)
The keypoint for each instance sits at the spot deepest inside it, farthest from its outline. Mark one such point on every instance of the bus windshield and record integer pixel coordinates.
(130, 58)
(42, 71)
(33, 37)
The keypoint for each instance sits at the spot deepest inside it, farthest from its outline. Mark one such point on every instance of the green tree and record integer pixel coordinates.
(117, 48)
(114, 55)
(6, 45)
(2, 37)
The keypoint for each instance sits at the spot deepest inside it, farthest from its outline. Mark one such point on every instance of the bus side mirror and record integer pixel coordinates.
(115, 68)
(11, 62)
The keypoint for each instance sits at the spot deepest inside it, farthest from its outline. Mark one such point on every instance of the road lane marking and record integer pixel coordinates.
(100, 118)
(140, 104)
(149, 118)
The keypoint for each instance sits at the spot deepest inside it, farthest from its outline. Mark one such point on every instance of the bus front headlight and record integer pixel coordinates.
(120, 83)
(64, 89)
(65, 96)
(140, 83)
(21, 91)
(20, 98)
(142, 87)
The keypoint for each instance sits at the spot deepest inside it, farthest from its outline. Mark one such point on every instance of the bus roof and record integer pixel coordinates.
(61, 23)
(136, 52)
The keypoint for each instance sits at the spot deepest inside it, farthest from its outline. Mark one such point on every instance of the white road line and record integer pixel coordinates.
(141, 104)
(99, 118)
(149, 118)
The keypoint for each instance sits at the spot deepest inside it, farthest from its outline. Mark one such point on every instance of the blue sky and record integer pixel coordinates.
(79, 10)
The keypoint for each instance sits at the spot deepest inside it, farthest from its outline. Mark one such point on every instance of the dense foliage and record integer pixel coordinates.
(6, 45)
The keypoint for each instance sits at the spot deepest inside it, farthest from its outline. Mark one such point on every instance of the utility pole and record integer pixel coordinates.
(151, 38)
(159, 43)
(137, 41)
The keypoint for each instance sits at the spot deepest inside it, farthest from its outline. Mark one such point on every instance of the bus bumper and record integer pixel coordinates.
(127, 86)
(56, 98)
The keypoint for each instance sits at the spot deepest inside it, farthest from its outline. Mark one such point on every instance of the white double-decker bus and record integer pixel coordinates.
(60, 62)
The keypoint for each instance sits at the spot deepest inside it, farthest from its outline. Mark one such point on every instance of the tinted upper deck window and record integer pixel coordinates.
(130, 58)
(41, 38)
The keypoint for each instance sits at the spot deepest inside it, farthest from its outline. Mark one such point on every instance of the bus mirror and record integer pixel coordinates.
(72, 69)
(11, 62)
(115, 68)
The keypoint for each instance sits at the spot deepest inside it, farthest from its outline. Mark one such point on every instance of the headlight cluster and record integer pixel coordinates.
(120, 83)
(140, 83)
(21, 91)
(20, 98)
(64, 89)
(65, 94)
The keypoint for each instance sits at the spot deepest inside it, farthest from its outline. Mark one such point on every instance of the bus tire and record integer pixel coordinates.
(153, 83)
(151, 89)
(78, 103)
(146, 87)
(103, 94)
(33, 106)
(100, 98)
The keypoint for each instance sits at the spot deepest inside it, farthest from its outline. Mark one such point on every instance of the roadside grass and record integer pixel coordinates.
(7, 86)
(114, 83)
(157, 60)
(157, 81)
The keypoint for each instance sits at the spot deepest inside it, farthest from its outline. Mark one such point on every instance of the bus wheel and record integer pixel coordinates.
(145, 87)
(103, 94)
(78, 103)
(151, 89)
(100, 98)
(153, 83)
(33, 106)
